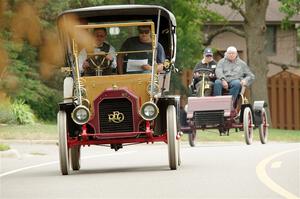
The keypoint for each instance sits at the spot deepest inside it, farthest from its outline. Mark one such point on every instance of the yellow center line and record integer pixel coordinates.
(264, 178)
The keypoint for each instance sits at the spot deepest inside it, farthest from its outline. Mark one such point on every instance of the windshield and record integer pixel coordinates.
(119, 48)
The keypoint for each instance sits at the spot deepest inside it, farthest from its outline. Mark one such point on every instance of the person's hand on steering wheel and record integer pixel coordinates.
(109, 57)
(86, 65)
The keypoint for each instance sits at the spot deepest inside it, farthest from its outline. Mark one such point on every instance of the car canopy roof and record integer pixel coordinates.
(122, 13)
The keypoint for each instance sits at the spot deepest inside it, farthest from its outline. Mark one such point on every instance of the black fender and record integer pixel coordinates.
(73, 128)
(243, 106)
(257, 107)
(162, 104)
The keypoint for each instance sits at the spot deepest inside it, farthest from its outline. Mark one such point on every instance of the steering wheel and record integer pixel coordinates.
(207, 71)
(99, 62)
(204, 72)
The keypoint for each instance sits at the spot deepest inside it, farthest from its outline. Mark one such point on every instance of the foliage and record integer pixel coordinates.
(290, 8)
(4, 147)
(30, 88)
(22, 112)
(6, 113)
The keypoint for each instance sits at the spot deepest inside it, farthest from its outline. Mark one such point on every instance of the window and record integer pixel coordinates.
(271, 40)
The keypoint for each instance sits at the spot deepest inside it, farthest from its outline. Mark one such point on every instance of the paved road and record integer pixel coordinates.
(214, 170)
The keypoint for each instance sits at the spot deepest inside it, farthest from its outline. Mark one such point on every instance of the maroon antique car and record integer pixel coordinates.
(116, 109)
(220, 112)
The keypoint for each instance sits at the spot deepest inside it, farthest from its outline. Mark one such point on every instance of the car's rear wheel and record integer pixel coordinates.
(192, 138)
(173, 143)
(248, 125)
(75, 158)
(263, 127)
(63, 144)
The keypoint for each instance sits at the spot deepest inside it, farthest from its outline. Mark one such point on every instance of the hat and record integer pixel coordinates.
(231, 49)
(208, 51)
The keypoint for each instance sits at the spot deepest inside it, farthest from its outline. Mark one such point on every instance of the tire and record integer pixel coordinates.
(75, 158)
(248, 125)
(62, 143)
(263, 127)
(179, 155)
(172, 141)
(192, 138)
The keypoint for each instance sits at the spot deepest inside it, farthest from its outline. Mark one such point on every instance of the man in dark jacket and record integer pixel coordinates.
(140, 62)
(207, 63)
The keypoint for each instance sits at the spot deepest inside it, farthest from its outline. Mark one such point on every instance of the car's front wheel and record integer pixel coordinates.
(62, 143)
(173, 143)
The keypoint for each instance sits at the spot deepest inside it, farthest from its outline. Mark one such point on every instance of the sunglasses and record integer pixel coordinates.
(144, 31)
(208, 55)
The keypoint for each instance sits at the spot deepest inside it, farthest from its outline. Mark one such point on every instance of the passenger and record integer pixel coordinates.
(232, 74)
(207, 62)
(140, 62)
(101, 45)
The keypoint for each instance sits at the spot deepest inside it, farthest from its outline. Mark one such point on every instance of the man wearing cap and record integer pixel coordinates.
(232, 74)
(208, 63)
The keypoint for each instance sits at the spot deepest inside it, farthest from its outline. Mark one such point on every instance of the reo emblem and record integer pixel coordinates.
(116, 117)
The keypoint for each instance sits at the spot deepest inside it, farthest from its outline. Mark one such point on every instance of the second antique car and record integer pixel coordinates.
(116, 108)
(223, 113)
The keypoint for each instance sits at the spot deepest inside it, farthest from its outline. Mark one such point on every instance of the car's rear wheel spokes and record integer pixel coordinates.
(192, 138)
(75, 158)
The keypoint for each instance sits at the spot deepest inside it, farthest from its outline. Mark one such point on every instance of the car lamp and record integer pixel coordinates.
(80, 115)
(149, 111)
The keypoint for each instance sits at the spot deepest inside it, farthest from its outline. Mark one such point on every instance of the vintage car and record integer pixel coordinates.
(116, 109)
(222, 113)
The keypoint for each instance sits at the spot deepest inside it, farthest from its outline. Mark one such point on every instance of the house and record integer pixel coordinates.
(282, 45)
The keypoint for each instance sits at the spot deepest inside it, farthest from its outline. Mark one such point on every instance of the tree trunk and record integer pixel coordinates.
(255, 29)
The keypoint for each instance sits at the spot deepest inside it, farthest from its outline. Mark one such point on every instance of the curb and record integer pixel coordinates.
(30, 141)
(11, 153)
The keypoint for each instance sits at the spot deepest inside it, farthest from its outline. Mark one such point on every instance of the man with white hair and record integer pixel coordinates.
(232, 73)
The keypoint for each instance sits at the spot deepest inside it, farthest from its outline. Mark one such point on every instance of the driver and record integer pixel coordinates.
(207, 62)
(108, 62)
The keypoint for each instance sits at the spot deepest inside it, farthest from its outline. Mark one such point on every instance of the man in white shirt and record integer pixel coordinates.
(108, 61)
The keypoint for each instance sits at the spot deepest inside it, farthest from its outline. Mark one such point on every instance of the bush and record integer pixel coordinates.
(22, 112)
(4, 147)
(6, 113)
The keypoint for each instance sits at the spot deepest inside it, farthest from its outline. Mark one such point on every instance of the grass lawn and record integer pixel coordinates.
(4, 147)
(277, 135)
(29, 132)
(49, 132)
